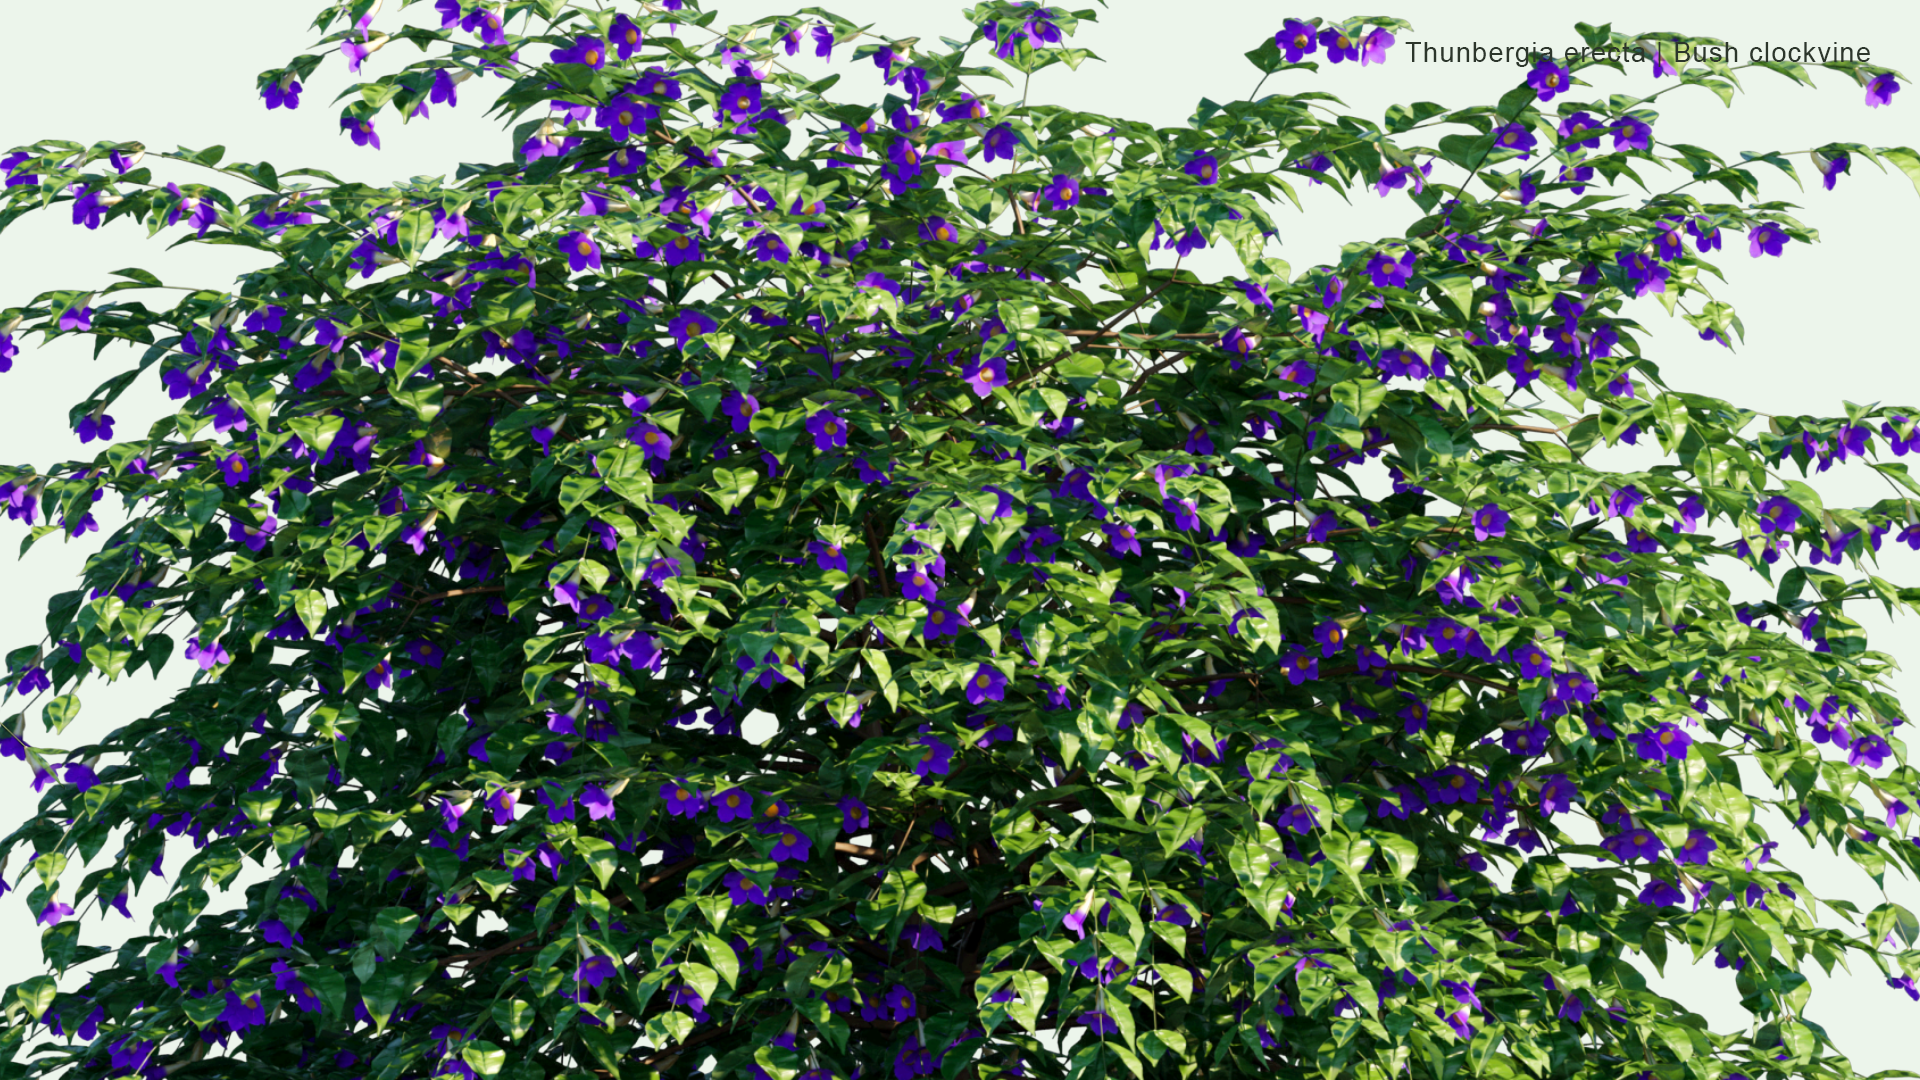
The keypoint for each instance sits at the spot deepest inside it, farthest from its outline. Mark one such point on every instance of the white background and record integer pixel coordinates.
(1826, 323)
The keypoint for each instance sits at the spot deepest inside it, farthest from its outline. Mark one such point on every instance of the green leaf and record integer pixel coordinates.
(515, 1017)
(311, 606)
(391, 928)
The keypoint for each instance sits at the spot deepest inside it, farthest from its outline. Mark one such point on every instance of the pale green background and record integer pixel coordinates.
(1826, 323)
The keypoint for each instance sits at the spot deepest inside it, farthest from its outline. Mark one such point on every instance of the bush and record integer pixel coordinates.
(773, 587)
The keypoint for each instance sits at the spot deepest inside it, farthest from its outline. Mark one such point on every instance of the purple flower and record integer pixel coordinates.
(1868, 752)
(853, 815)
(1205, 168)
(1533, 660)
(733, 804)
(916, 585)
(1696, 850)
(1331, 636)
(1063, 191)
(681, 247)
(590, 51)
(1490, 522)
(1768, 239)
(624, 37)
(1301, 667)
(582, 252)
(1526, 741)
(1389, 272)
(1451, 785)
(209, 656)
(1297, 819)
(1339, 45)
(740, 408)
(740, 100)
(1880, 90)
(1664, 743)
(1578, 130)
(939, 759)
(1295, 39)
(1660, 893)
(942, 622)
(986, 684)
(742, 889)
(93, 427)
(599, 804)
(1373, 48)
(362, 131)
(682, 800)
(984, 375)
(1516, 136)
(653, 442)
(654, 81)
(789, 845)
(278, 94)
(622, 115)
(1778, 514)
(829, 431)
(1556, 794)
(1396, 178)
(595, 970)
(690, 324)
(827, 556)
(1548, 79)
(999, 143)
(1631, 133)
(1634, 844)
(1831, 168)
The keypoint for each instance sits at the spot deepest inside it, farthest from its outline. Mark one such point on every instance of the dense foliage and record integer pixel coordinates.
(778, 588)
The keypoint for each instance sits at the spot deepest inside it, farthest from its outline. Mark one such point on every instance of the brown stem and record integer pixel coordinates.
(475, 959)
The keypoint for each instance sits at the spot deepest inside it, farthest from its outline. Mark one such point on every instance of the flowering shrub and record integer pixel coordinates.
(768, 587)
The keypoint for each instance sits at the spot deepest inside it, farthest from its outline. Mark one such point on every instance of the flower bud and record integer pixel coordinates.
(491, 240)
(1488, 307)
(11, 325)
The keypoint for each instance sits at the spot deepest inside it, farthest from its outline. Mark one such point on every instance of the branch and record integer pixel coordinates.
(482, 956)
